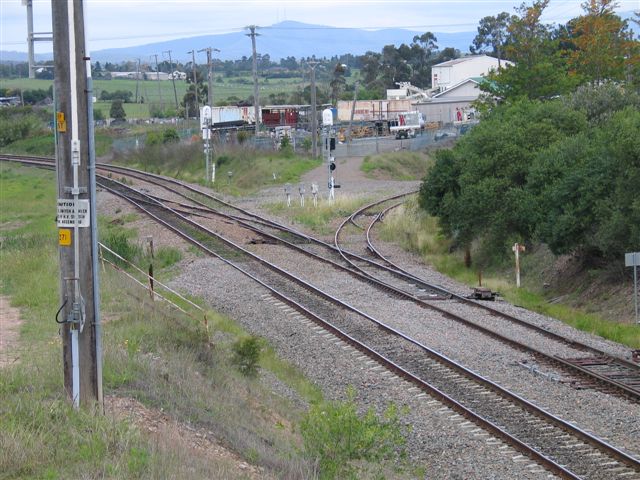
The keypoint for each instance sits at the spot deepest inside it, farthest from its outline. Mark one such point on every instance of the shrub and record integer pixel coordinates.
(246, 354)
(242, 137)
(119, 243)
(170, 135)
(338, 438)
(117, 110)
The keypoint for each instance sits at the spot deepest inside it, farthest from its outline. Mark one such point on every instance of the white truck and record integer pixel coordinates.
(407, 124)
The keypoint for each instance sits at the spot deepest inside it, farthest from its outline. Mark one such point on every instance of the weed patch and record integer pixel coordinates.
(345, 444)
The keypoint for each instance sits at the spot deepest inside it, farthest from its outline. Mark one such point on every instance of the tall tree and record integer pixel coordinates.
(493, 33)
(338, 82)
(539, 70)
(604, 46)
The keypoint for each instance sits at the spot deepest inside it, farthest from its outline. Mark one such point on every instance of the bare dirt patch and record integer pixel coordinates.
(9, 333)
(160, 427)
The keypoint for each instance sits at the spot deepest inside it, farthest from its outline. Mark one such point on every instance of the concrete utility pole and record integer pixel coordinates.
(76, 214)
(33, 37)
(173, 79)
(210, 75)
(314, 113)
(137, 79)
(256, 97)
(195, 80)
(158, 80)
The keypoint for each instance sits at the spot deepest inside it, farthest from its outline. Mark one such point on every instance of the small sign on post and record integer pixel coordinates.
(633, 260)
(67, 213)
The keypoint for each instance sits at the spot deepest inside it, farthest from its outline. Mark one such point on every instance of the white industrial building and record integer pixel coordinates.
(449, 74)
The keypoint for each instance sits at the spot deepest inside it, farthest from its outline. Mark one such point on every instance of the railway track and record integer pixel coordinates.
(590, 367)
(586, 366)
(560, 447)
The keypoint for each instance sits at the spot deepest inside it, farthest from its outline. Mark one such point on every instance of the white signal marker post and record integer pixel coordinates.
(205, 126)
(517, 248)
(328, 134)
(633, 260)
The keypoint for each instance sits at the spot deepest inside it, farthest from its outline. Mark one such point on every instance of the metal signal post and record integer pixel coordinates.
(78, 314)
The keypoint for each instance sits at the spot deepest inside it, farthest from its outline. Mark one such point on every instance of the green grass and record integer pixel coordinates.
(417, 232)
(251, 169)
(240, 87)
(43, 144)
(397, 165)
(320, 218)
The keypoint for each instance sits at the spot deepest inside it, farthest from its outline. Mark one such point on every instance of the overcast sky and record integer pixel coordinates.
(121, 23)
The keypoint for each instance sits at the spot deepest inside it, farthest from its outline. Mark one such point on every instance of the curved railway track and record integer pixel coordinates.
(561, 447)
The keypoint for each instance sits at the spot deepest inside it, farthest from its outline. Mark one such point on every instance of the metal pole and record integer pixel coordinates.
(173, 79)
(94, 236)
(314, 113)
(256, 96)
(31, 55)
(78, 312)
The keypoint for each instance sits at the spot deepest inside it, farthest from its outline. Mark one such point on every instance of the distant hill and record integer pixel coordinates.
(286, 39)
(281, 40)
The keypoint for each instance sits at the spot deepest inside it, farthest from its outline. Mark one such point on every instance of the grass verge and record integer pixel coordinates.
(417, 232)
(250, 170)
(401, 165)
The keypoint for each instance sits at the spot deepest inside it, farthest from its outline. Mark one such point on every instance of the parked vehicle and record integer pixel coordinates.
(407, 125)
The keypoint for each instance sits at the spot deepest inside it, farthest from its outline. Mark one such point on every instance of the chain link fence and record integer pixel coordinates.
(300, 141)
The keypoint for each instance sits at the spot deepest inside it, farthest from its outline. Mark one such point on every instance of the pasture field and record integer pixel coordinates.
(240, 87)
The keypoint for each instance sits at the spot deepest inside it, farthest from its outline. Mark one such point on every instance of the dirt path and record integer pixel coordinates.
(168, 434)
(9, 333)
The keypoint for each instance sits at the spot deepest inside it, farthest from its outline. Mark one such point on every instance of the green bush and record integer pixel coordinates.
(170, 135)
(542, 172)
(246, 355)
(18, 123)
(242, 137)
(118, 241)
(342, 442)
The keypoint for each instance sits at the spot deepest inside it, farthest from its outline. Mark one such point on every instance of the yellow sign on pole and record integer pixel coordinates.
(61, 122)
(64, 237)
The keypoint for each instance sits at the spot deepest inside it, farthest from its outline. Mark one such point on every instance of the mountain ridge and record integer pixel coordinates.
(280, 40)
